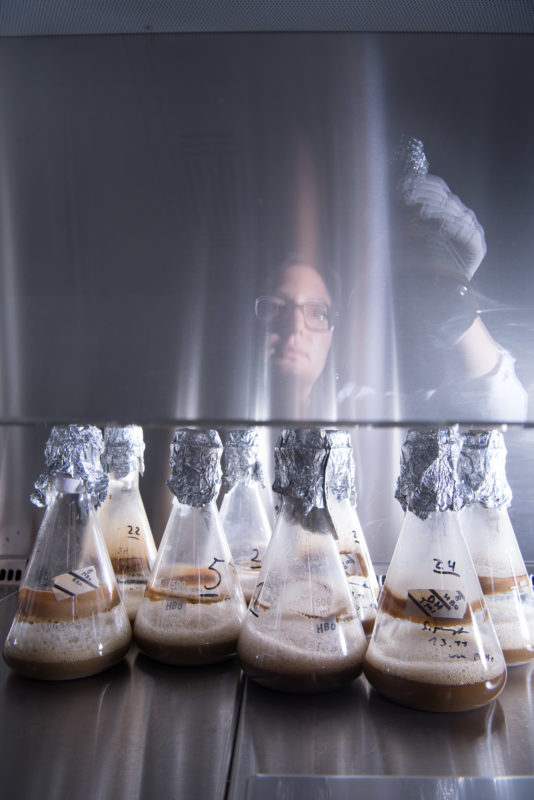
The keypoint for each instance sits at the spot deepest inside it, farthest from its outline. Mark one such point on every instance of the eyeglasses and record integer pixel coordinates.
(317, 316)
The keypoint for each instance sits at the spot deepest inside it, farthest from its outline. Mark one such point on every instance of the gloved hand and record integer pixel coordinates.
(438, 246)
(445, 223)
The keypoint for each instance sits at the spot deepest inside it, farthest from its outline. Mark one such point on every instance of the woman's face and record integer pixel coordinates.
(295, 350)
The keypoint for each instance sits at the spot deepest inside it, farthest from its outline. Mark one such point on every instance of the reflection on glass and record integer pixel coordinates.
(298, 317)
(440, 360)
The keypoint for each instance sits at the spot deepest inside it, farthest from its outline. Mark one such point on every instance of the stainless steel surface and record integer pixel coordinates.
(143, 729)
(164, 178)
(11, 570)
(266, 787)
(138, 731)
(355, 732)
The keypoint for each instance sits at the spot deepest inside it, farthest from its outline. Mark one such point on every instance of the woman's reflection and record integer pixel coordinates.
(299, 315)
(444, 362)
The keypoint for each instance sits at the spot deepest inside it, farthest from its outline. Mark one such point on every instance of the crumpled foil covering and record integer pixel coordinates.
(428, 479)
(410, 158)
(195, 461)
(124, 449)
(75, 451)
(482, 468)
(240, 460)
(311, 463)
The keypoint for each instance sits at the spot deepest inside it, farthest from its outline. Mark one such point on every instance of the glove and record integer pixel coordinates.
(450, 229)
(438, 247)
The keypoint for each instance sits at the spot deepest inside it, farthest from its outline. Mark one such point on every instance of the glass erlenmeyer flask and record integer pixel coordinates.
(351, 543)
(243, 514)
(434, 646)
(489, 534)
(193, 606)
(70, 621)
(122, 516)
(302, 632)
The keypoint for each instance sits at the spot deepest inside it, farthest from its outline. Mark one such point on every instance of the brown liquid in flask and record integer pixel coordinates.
(492, 543)
(70, 621)
(434, 646)
(122, 516)
(302, 632)
(193, 606)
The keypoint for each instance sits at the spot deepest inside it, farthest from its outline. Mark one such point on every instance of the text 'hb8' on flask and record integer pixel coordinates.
(434, 646)
(193, 605)
(302, 632)
(70, 621)
(122, 516)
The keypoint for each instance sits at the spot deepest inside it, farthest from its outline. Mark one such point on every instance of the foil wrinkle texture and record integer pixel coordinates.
(124, 448)
(195, 460)
(410, 158)
(428, 479)
(312, 464)
(241, 459)
(482, 468)
(74, 451)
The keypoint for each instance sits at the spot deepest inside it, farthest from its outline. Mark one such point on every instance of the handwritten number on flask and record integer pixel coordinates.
(216, 571)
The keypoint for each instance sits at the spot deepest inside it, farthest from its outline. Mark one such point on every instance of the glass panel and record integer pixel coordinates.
(153, 186)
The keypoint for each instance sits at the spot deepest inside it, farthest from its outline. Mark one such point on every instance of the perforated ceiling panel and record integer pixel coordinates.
(61, 17)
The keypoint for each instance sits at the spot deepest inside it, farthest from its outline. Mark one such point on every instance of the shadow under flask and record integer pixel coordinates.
(242, 511)
(489, 534)
(302, 632)
(70, 621)
(193, 606)
(122, 516)
(434, 646)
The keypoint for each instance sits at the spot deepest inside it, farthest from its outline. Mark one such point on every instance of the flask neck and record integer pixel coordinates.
(129, 482)
(66, 484)
(317, 520)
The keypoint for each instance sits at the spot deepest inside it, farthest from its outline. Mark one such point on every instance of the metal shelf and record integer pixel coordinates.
(143, 729)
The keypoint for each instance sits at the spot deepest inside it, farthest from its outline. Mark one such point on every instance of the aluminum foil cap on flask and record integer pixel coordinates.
(482, 469)
(312, 464)
(428, 479)
(124, 449)
(74, 451)
(240, 461)
(195, 461)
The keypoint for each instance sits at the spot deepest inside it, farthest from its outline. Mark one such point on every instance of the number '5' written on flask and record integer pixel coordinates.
(445, 569)
(217, 579)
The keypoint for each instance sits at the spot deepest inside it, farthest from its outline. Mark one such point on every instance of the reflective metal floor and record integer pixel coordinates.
(145, 730)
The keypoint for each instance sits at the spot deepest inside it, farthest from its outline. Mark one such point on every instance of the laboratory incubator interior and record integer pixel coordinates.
(266, 410)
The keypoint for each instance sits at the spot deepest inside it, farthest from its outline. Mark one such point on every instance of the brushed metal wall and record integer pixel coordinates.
(150, 184)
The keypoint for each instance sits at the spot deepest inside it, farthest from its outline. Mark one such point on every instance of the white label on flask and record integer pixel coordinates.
(71, 584)
(445, 603)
